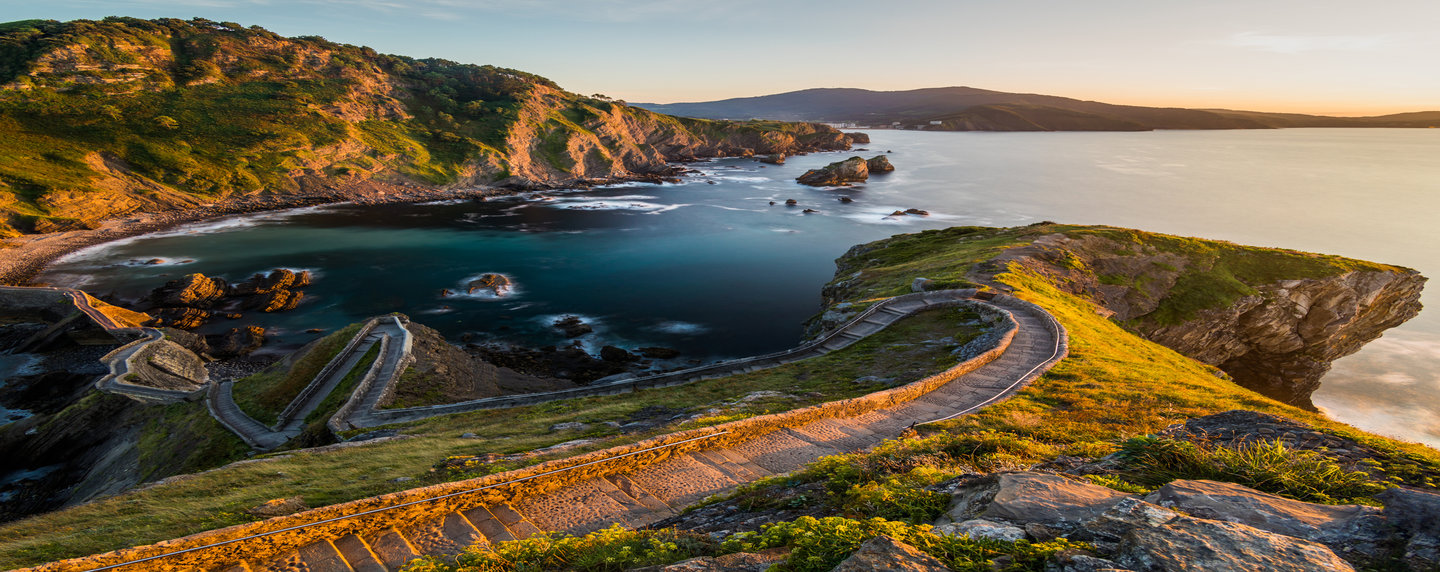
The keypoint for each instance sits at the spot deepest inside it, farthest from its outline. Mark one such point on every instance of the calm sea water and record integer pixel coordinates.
(715, 271)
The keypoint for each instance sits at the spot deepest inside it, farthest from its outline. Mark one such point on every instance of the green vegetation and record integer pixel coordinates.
(1264, 465)
(264, 395)
(611, 550)
(220, 497)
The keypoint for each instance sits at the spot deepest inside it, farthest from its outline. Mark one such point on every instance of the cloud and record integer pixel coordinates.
(1286, 44)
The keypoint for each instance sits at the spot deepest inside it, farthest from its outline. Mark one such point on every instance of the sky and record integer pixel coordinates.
(1309, 56)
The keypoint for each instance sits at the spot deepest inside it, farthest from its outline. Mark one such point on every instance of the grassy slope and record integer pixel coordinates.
(218, 498)
(264, 395)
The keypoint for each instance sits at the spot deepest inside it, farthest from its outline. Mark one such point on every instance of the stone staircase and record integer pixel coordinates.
(634, 489)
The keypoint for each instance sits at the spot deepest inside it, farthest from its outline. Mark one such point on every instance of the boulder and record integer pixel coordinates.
(981, 528)
(879, 164)
(193, 290)
(572, 326)
(1107, 529)
(1024, 498)
(885, 554)
(617, 355)
(277, 279)
(1188, 543)
(1080, 561)
(1415, 514)
(1349, 528)
(237, 342)
(776, 159)
(846, 200)
(791, 202)
(839, 173)
(921, 284)
(858, 138)
(498, 284)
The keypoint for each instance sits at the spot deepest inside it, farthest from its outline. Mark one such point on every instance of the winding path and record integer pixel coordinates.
(383, 533)
(394, 340)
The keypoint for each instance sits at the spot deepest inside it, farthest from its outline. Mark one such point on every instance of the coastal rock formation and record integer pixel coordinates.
(497, 284)
(572, 326)
(776, 159)
(885, 554)
(237, 342)
(167, 365)
(879, 164)
(839, 173)
(190, 302)
(193, 291)
(1278, 318)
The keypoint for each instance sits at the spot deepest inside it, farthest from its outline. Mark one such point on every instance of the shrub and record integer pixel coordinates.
(613, 549)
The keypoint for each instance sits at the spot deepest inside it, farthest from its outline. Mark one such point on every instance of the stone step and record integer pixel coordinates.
(633, 490)
(314, 557)
(578, 508)
(745, 462)
(449, 534)
(724, 466)
(681, 481)
(391, 548)
(636, 513)
(519, 526)
(358, 554)
(780, 452)
(488, 525)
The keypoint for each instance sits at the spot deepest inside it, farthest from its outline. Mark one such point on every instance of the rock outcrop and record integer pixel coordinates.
(497, 284)
(885, 554)
(165, 364)
(193, 291)
(1273, 320)
(879, 164)
(839, 173)
(190, 302)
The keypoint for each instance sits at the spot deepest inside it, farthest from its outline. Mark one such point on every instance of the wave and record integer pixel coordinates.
(675, 327)
(215, 226)
(483, 294)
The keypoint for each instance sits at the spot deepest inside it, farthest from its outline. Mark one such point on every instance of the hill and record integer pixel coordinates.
(972, 109)
(104, 118)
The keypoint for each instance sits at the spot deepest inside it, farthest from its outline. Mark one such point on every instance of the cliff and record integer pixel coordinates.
(104, 118)
(1274, 320)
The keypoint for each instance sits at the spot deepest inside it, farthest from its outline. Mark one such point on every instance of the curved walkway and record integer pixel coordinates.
(625, 485)
(875, 318)
(394, 340)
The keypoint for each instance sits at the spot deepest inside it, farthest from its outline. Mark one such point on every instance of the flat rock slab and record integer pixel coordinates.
(1187, 543)
(885, 554)
(1230, 502)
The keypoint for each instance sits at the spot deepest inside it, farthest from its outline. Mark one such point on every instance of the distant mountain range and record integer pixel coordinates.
(971, 109)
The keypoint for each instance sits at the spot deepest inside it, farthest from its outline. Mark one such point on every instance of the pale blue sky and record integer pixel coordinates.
(1314, 56)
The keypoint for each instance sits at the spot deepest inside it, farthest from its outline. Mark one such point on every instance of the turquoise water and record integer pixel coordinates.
(715, 271)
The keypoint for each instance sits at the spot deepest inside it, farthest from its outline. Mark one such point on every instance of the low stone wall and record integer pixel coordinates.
(287, 533)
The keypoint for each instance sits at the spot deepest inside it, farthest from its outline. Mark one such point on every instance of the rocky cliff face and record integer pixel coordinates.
(179, 113)
(1273, 320)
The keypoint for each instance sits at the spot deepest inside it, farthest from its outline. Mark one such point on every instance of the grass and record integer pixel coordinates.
(218, 498)
(1267, 466)
(265, 394)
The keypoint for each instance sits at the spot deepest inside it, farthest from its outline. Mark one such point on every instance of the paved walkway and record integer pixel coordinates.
(640, 496)
(395, 345)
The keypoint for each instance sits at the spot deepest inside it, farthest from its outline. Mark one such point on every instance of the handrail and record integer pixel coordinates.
(1061, 345)
(315, 382)
(403, 505)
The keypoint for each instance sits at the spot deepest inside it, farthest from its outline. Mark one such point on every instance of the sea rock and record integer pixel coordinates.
(279, 507)
(1030, 498)
(791, 202)
(1347, 528)
(846, 200)
(618, 355)
(918, 212)
(879, 164)
(190, 341)
(180, 318)
(274, 301)
(808, 211)
(237, 342)
(981, 528)
(852, 170)
(858, 138)
(885, 554)
(1188, 543)
(897, 213)
(572, 326)
(776, 159)
(194, 290)
(498, 284)
(277, 279)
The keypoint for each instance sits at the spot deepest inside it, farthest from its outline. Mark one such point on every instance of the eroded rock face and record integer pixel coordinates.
(194, 290)
(879, 164)
(1278, 340)
(1186, 543)
(839, 173)
(167, 365)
